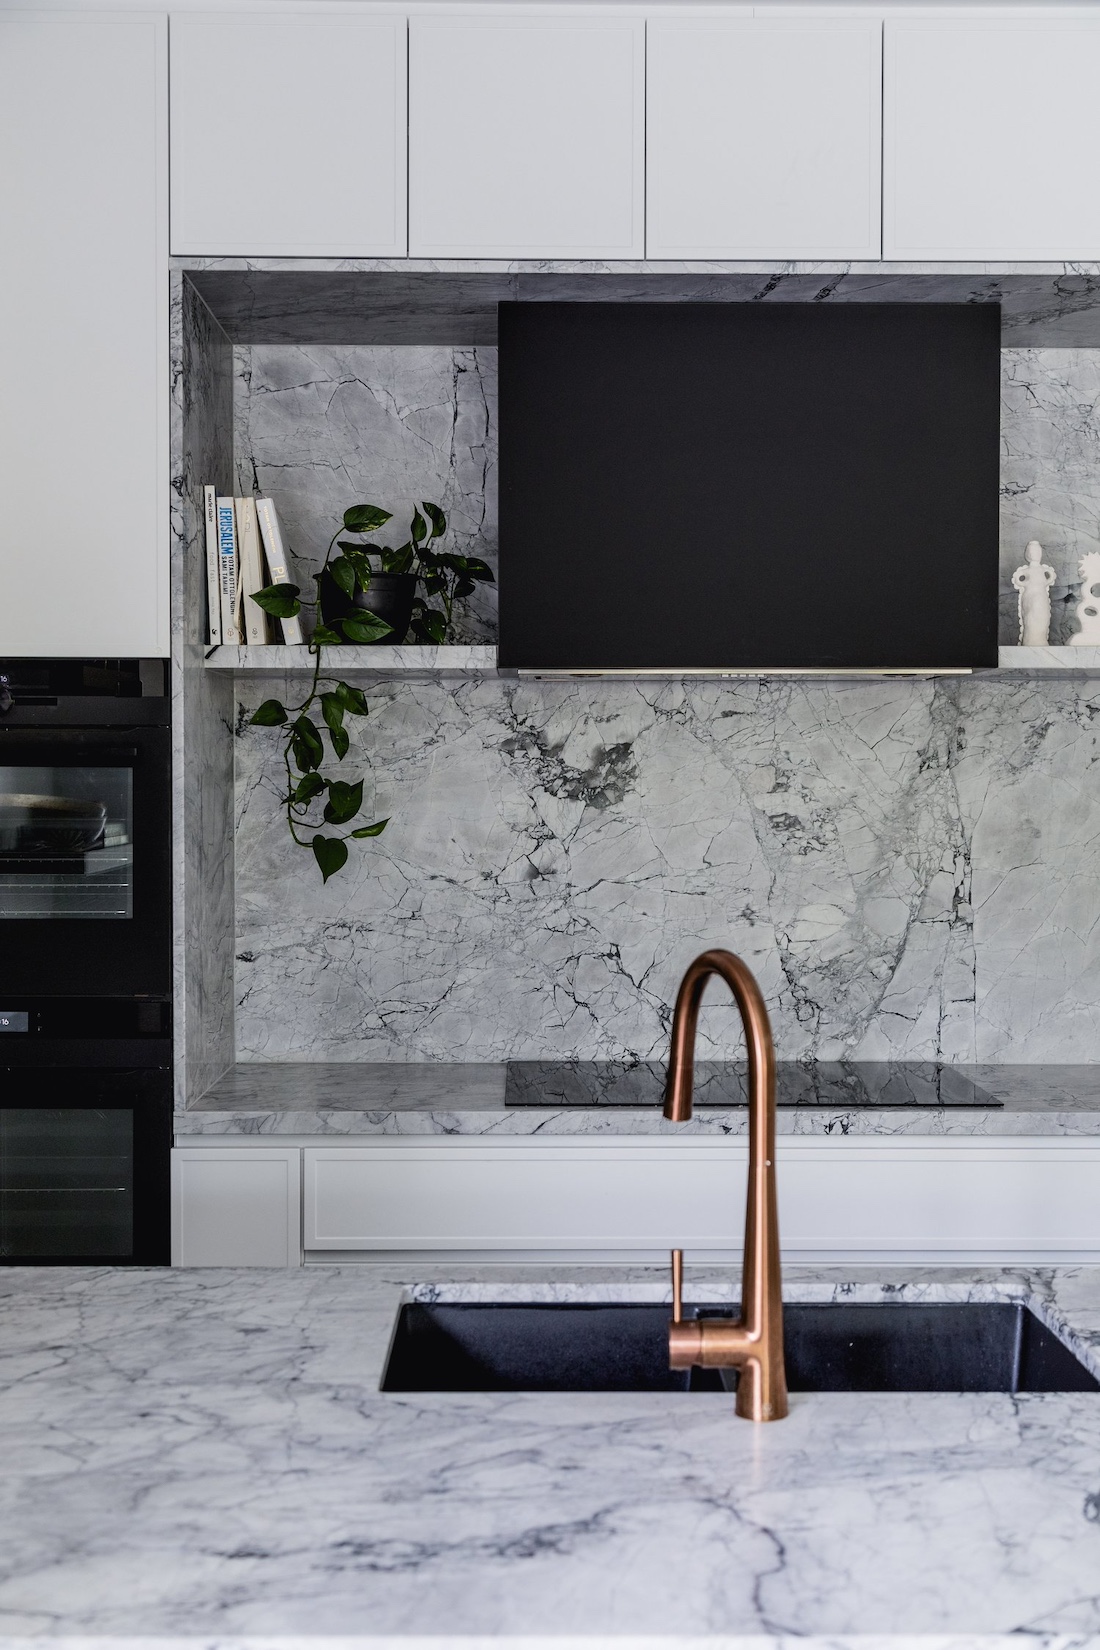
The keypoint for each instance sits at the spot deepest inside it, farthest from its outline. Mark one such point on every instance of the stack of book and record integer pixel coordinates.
(244, 553)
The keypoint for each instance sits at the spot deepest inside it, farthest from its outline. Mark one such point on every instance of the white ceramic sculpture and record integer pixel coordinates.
(1088, 607)
(1033, 581)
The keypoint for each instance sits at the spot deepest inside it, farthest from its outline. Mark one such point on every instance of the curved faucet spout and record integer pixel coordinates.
(754, 1344)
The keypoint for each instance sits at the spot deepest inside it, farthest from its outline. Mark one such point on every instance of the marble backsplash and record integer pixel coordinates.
(910, 867)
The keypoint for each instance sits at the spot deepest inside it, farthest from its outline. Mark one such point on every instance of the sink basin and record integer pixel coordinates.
(889, 1346)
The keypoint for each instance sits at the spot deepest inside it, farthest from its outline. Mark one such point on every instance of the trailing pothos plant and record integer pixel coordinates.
(451, 578)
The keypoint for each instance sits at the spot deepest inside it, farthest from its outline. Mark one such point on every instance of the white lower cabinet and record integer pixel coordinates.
(236, 1206)
(872, 1200)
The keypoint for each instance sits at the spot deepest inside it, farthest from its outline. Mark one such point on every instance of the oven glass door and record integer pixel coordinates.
(84, 1167)
(85, 879)
(67, 843)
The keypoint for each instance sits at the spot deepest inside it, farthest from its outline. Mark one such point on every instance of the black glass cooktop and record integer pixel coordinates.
(840, 1085)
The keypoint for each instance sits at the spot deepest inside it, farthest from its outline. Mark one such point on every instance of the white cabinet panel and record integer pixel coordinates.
(289, 134)
(526, 136)
(992, 127)
(238, 1206)
(83, 334)
(763, 137)
(866, 1199)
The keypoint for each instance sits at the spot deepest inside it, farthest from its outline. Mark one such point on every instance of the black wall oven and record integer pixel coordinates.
(85, 962)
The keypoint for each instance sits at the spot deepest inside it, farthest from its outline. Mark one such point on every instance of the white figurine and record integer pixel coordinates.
(1088, 608)
(1033, 581)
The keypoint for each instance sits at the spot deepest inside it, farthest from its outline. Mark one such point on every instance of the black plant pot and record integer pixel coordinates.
(390, 598)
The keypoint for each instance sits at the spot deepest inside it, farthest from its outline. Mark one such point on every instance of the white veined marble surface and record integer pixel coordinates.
(205, 1456)
(911, 867)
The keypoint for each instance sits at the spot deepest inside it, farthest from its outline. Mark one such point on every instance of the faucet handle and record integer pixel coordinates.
(677, 1285)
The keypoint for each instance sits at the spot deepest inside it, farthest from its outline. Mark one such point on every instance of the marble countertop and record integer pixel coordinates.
(311, 1100)
(205, 1455)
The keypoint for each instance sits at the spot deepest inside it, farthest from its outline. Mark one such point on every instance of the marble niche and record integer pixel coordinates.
(913, 868)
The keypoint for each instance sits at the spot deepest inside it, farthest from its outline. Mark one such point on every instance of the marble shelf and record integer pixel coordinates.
(471, 660)
(382, 660)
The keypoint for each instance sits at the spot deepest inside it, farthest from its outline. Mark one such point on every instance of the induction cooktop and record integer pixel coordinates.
(843, 1085)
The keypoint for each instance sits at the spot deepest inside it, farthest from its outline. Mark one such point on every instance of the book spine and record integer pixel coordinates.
(227, 566)
(256, 630)
(277, 562)
(213, 581)
(228, 571)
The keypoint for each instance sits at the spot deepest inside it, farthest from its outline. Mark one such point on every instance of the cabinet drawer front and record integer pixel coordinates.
(526, 136)
(289, 134)
(716, 185)
(236, 1207)
(990, 134)
(866, 1198)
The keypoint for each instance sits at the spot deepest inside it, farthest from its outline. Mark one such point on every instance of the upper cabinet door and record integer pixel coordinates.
(289, 134)
(992, 132)
(526, 136)
(763, 137)
(83, 334)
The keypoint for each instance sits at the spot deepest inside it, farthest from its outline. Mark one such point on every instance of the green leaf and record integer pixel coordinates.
(344, 574)
(325, 636)
(419, 528)
(364, 627)
(464, 588)
(340, 741)
(480, 570)
(431, 626)
(371, 830)
(437, 518)
(344, 801)
(398, 561)
(365, 518)
(309, 786)
(280, 600)
(332, 709)
(353, 699)
(331, 854)
(270, 715)
(305, 744)
(360, 565)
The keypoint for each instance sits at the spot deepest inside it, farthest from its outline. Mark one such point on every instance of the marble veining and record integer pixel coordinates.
(453, 301)
(322, 428)
(909, 867)
(205, 1456)
(446, 1098)
(202, 710)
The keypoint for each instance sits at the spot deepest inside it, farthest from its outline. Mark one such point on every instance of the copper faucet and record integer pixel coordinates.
(754, 1344)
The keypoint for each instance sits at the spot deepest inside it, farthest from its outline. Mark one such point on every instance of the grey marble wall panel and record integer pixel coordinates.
(446, 301)
(202, 449)
(911, 868)
(320, 428)
(1050, 472)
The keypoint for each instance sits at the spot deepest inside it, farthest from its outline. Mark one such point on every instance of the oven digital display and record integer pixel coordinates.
(14, 1020)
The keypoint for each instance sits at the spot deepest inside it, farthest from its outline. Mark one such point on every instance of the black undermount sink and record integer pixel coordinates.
(889, 1346)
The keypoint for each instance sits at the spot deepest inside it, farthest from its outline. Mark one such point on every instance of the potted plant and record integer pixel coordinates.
(389, 591)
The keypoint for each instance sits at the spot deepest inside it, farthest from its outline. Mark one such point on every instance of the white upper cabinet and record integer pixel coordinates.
(289, 134)
(526, 136)
(992, 132)
(83, 334)
(763, 137)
